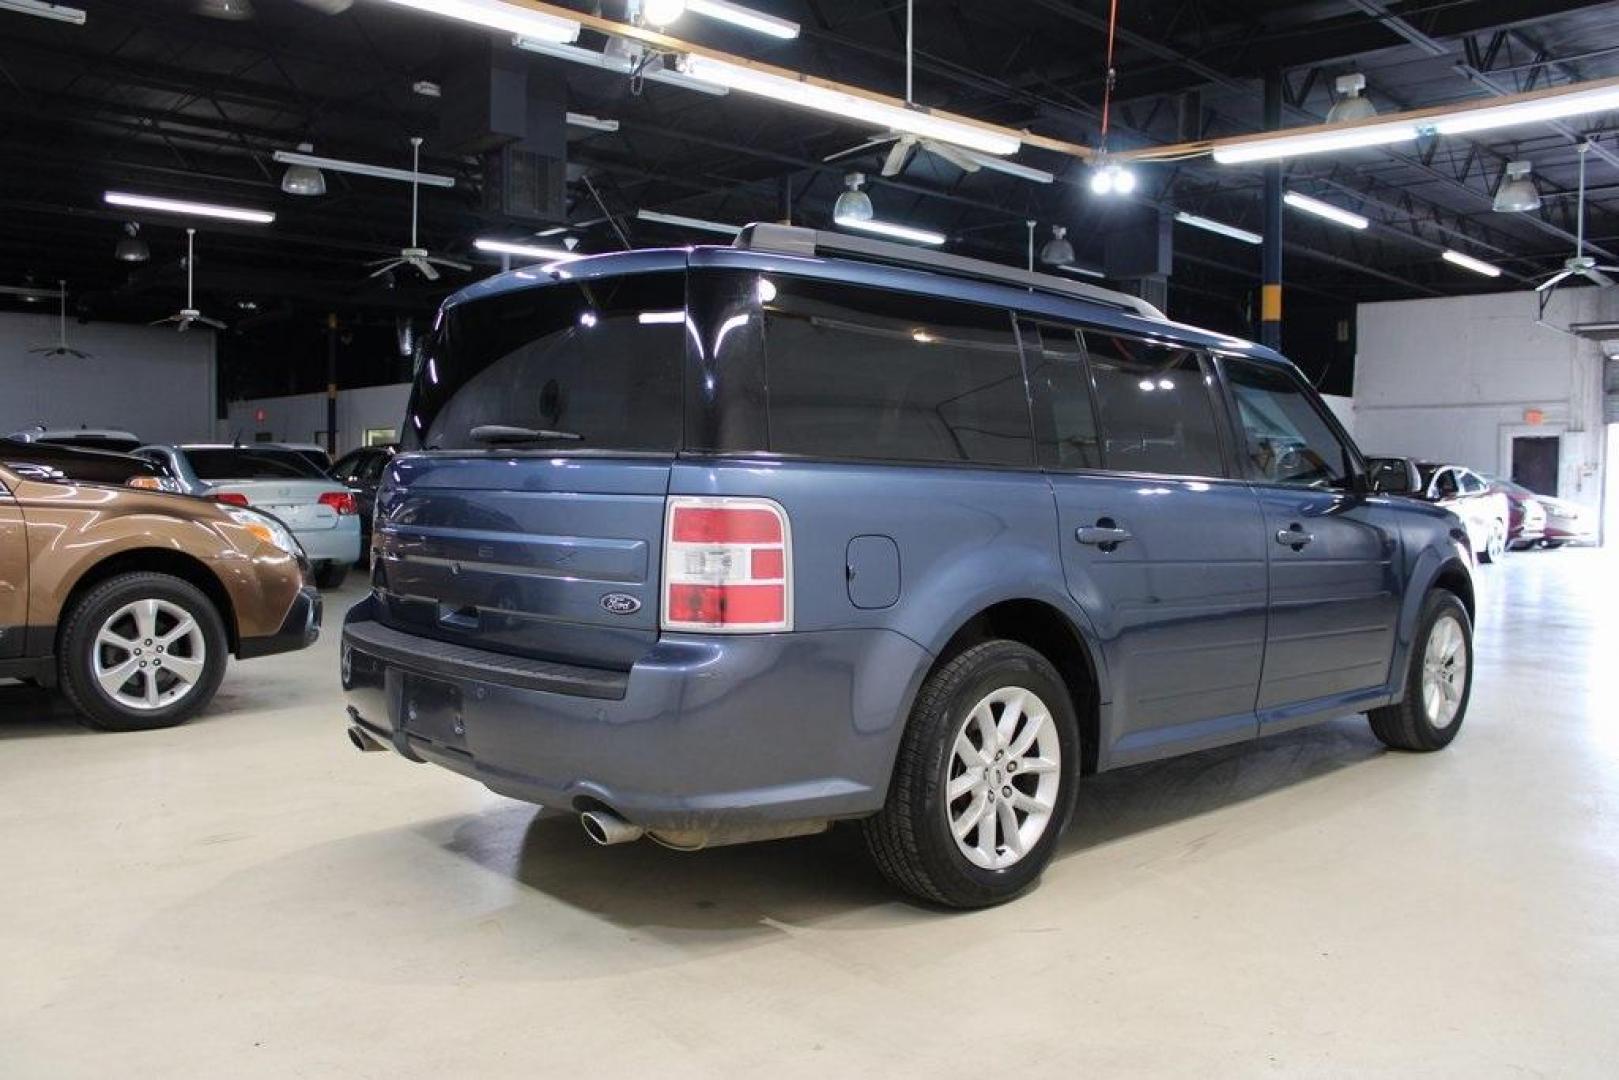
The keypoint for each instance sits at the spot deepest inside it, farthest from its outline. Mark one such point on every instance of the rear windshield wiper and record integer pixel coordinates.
(505, 433)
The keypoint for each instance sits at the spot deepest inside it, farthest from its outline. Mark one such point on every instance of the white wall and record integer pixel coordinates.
(299, 417)
(1344, 409)
(156, 382)
(1451, 379)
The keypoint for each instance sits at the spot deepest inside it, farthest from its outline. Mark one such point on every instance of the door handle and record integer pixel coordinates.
(1294, 537)
(1105, 534)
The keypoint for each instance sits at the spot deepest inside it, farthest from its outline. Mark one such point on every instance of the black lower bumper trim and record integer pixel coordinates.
(298, 630)
(430, 657)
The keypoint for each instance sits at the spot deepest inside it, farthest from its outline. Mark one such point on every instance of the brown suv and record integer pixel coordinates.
(130, 598)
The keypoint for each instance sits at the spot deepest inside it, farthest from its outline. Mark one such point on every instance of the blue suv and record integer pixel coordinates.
(726, 544)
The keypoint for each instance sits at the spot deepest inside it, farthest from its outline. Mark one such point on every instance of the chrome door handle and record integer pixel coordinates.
(1107, 537)
(1294, 537)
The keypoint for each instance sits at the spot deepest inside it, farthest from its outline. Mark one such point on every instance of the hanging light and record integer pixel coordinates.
(1112, 179)
(229, 10)
(1351, 103)
(1058, 251)
(662, 12)
(132, 249)
(1517, 193)
(853, 204)
(305, 180)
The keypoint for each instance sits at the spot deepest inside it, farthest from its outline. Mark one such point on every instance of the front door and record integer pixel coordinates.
(1161, 548)
(13, 573)
(1535, 462)
(1335, 573)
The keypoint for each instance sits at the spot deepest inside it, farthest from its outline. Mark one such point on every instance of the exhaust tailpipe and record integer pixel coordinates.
(363, 741)
(606, 827)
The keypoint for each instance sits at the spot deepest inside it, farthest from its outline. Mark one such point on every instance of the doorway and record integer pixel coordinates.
(1535, 462)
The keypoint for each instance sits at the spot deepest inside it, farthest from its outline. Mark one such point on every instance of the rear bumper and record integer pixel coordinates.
(722, 736)
(298, 630)
(340, 543)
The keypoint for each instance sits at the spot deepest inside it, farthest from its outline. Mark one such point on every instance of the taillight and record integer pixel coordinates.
(727, 565)
(230, 498)
(341, 501)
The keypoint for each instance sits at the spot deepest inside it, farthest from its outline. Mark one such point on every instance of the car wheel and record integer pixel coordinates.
(141, 651)
(1438, 684)
(331, 575)
(1551, 545)
(1496, 546)
(984, 782)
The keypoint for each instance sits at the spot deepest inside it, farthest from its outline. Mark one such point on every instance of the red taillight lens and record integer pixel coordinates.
(727, 565)
(231, 498)
(341, 501)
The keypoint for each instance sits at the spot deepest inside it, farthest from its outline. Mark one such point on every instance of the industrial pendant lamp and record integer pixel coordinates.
(132, 249)
(1058, 251)
(853, 204)
(305, 180)
(1351, 104)
(1517, 193)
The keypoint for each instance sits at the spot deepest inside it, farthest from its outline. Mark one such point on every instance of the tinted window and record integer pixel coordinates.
(1445, 485)
(348, 465)
(598, 359)
(247, 463)
(1154, 406)
(1471, 484)
(1286, 440)
(866, 373)
(93, 442)
(45, 461)
(1060, 386)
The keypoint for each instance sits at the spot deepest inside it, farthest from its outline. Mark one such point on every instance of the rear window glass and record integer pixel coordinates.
(227, 463)
(1153, 402)
(867, 373)
(600, 360)
(93, 442)
(40, 461)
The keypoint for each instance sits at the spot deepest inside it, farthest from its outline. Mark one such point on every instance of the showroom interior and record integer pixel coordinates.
(227, 227)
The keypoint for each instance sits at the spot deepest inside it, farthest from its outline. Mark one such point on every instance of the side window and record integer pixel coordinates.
(1060, 388)
(1471, 484)
(1445, 486)
(347, 466)
(1154, 405)
(867, 373)
(1286, 439)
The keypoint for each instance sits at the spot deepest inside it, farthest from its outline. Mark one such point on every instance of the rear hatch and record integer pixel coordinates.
(296, 502)
(526, 514)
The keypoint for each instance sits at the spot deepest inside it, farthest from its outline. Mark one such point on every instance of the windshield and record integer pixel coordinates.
(247, 463)
(588, 365)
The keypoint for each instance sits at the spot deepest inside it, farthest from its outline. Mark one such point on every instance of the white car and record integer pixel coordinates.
(1485, 511)
(319, 511)
(84, 438)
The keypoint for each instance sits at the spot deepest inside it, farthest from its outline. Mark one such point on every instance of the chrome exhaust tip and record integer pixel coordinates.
(606, 828)
(363, 741)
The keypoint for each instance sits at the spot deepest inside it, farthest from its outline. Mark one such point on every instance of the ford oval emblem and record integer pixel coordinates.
(617, 603)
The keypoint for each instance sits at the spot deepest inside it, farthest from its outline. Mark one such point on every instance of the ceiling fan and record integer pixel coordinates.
(189, 314)
(906, 146)
(1580, 263)
(416, 256)
(61, 346)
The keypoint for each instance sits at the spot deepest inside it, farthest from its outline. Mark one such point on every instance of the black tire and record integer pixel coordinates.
(1496, 546)
(331, 575)
(910, 838)
(1406, 725)
(1551, 545)
(76, 650)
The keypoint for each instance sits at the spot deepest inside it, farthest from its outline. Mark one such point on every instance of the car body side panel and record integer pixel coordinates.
(1435, 541)
(73, 527)
(13, 572)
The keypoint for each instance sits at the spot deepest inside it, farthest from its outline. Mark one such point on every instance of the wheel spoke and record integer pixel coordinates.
(112, 638)
(185, 668)
(1009, 828)
(1028, 803)
(114, 677)
(1011, 713)
(970, 816)
(969, 754)
(964, 783)
(1036, 765)
(986, 835)
(185, 626)
(146, 618)
(989, 736)
(151, 687)
(1031, 731)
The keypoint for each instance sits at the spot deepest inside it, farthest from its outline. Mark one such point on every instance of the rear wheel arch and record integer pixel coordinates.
(158, 561)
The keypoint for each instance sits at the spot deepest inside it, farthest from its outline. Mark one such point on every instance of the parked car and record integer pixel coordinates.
(313, 453)
(1486, 513)
(1526, 524)
(361, 470)
(321, 512)
(130, 599)
(717, 545)
(1563, 522)
(86, 438)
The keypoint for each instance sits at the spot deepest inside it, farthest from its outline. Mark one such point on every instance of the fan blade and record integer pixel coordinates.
(1596, 276)
(206, 321)
(952, 155)
(385, 267)
(894, 164)
(1554, 280)
(160, 322)
(451, 263)
(869, 144)
(425, 268)
(383, 262)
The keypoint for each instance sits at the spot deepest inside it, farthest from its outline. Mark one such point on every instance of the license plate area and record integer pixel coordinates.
(431, 709)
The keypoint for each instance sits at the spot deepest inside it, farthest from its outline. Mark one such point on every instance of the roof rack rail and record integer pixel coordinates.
(797, 240)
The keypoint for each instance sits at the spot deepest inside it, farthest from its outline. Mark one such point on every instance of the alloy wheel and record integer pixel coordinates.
(1004, 774)
(1444, 672)
(149, 655)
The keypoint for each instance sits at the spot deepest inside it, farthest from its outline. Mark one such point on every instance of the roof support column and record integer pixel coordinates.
(1270, 290)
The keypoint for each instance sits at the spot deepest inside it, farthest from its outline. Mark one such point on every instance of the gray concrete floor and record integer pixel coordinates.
(247, 896)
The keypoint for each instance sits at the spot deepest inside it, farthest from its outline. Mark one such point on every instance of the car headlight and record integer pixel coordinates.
(268, 530)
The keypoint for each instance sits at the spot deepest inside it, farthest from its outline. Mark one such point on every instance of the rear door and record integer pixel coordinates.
(546, 544)
(1160, 546)
(13, 573)
(1335, 557)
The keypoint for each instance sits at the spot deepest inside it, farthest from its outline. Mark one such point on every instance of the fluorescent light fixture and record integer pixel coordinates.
(1325, 210)
(851, 107)
(1083, 271)
(1319, 142)
(182, 206)
(619, 62)
(747, 18)
(1553, 107)
(594, 123)
(660, 318)
(497, 15)
(1197, 221)
(526, 251)
(360, 168)
(1478, 266)
(59, 12)
(888, 228)
(688, 222)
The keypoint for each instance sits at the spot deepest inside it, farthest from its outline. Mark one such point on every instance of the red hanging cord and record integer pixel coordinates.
(1107, 91)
